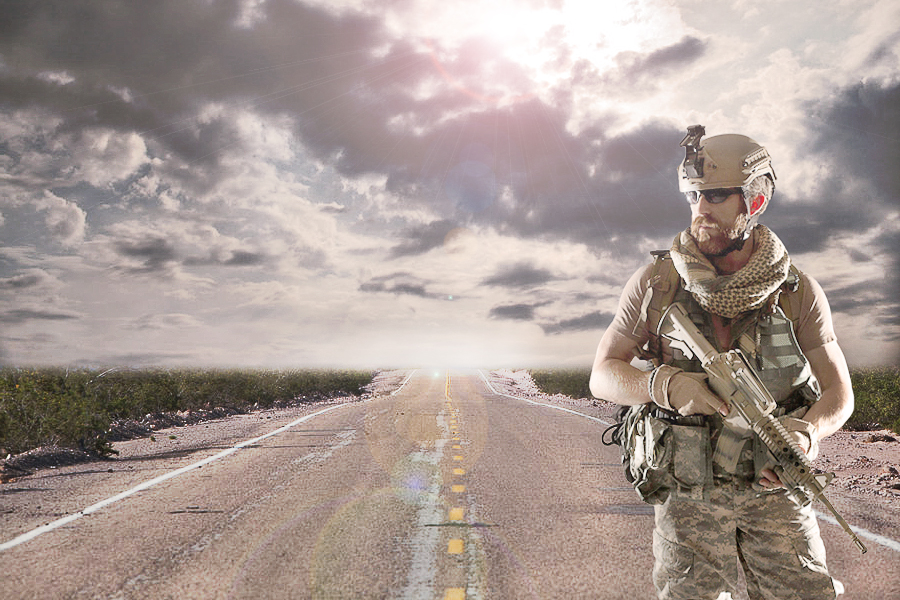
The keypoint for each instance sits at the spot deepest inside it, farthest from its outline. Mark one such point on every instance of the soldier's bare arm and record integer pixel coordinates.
(835, 405)
(613, 377)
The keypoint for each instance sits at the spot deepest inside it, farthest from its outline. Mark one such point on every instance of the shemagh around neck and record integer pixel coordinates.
(747, 289)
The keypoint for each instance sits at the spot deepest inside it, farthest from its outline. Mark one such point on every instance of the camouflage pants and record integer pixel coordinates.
(698, 546)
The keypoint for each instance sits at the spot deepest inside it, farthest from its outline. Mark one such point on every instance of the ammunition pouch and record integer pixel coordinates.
(662, 452)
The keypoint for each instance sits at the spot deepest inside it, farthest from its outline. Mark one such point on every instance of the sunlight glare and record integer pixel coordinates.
(546, 40)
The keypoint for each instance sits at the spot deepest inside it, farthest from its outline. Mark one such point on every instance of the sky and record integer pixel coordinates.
(393, 183)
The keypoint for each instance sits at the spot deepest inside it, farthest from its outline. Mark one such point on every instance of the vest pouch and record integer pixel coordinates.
(647, 454)
(691, 459)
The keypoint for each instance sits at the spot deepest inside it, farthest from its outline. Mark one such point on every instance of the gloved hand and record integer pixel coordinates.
(685, 393)
(807, 437)
(804, 433)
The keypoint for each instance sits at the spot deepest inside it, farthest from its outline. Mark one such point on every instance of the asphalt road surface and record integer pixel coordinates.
(444, 490)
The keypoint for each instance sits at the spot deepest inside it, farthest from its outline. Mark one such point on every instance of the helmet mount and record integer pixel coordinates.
(693, 163)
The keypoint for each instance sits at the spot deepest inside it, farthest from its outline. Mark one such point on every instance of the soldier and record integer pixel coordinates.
(717, 512)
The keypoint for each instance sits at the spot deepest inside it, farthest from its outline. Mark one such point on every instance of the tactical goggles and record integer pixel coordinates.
(716, 196)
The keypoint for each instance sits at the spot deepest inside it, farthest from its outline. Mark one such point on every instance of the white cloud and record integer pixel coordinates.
(57, 77)
(103, 156)
(65, 220)
(874, 49)
(166, 321)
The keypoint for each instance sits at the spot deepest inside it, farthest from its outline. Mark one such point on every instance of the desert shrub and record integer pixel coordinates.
(877, 394)
(74, 407)
(569, 382)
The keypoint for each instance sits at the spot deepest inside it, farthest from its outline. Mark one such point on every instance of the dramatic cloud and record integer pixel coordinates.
(520, 276)
(308, 182)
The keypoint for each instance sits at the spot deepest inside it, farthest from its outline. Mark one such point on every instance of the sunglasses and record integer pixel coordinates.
(716, 196)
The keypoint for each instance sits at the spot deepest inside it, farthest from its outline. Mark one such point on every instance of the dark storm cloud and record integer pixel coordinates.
(31, 278)
(854, 299)
(21, 315)
(159, 255)
(516, 312)
(641, 73)
(156, 254)
(513, 312)
(860, 131)
(636, 68)
(586, 188)
(588, 322)
(421, 239)
(602, 191)
(237, 258)
(520, 276)
(855, 133)
(401, 283)
(242, 258)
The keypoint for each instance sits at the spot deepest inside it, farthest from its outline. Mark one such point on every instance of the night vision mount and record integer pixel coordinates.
(693, 162)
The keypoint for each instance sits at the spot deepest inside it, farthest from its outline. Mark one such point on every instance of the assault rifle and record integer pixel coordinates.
(734, 380)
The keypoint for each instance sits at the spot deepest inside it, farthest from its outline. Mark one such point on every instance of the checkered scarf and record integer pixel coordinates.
(747, 289)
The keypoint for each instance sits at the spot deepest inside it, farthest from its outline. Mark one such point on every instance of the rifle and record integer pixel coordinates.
(734, 380)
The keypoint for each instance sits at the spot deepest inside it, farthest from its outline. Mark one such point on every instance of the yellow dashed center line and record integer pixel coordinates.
(455, 546)
(456, 514)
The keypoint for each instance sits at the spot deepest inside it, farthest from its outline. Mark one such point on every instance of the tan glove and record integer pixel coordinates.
(807, 437)
(685, 393)
(804, 433)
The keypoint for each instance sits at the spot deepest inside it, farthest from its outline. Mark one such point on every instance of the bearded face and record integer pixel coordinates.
(715, 238)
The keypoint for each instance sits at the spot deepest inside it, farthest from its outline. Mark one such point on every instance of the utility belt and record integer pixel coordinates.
(664, 452)
(795, 401)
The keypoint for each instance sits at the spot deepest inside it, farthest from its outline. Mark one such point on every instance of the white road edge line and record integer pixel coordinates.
(878, 539)
(405, 381)
(874, 537)
(568, 410)
(30, 535)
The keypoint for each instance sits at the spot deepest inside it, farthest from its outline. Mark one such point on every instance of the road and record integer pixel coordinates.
(444, 490)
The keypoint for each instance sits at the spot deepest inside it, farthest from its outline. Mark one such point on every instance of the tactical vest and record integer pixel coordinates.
(766, 337)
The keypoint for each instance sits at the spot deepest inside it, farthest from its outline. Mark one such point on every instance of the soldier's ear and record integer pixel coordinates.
(757, 203)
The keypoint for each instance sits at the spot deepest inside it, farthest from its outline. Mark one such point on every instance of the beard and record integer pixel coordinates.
(717, 240)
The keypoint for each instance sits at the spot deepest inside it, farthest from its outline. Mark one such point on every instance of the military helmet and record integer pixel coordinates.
(722, 161)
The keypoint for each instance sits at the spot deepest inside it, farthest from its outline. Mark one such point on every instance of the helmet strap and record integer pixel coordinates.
(737, 244)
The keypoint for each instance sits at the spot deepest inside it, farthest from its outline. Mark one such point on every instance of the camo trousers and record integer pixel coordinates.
(699, 546)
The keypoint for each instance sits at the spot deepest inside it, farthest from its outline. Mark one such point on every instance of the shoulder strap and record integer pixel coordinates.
(663, 285)
(792, 295)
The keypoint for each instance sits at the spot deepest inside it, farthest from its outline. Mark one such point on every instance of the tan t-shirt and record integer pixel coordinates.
(814, 326)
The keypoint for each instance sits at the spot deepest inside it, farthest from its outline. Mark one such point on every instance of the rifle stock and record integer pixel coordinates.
(734, 380)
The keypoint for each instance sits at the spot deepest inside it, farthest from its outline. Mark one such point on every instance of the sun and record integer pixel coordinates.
(543, 39)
